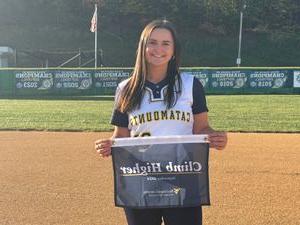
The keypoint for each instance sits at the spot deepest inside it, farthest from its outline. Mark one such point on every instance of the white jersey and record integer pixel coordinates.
(154, 119)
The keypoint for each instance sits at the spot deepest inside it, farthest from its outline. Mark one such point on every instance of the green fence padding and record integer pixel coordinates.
(103, 81)
(6, 83)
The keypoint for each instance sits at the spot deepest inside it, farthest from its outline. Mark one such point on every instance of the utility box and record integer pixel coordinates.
(6, 56)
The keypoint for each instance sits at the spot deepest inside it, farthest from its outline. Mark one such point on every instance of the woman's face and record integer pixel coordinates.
(159, 48)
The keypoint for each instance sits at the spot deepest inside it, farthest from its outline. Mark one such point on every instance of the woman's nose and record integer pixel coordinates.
(158, 48)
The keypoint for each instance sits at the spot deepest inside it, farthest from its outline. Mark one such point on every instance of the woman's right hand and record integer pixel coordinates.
(103, 147)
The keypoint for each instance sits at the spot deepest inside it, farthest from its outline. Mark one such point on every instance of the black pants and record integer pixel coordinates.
(171, 216)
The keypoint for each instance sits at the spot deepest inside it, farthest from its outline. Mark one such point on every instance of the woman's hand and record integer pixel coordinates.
(217, 140)
(103, 147)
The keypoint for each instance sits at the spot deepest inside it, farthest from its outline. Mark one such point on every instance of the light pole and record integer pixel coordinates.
(239, 60)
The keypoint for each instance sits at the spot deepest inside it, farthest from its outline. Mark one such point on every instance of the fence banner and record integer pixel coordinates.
(297, 79)
(268, 79)
(228, 79)
(202, 75)
(40, 80)
(161, 172)
(65, 79)
(110, 78)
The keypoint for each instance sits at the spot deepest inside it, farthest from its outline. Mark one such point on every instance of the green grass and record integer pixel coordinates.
(249, 113)
(262, 113)
(55, 114)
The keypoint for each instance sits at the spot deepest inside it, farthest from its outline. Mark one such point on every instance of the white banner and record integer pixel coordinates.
(297, 79)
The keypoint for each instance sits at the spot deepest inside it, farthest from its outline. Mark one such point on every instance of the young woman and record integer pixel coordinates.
(158, 100)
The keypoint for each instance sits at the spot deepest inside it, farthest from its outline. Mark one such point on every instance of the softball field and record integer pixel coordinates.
(57, 178)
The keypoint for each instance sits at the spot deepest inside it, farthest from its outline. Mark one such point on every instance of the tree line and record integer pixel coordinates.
(64, 24)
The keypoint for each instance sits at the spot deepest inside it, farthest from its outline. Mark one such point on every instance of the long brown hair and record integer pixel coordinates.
(132, 94)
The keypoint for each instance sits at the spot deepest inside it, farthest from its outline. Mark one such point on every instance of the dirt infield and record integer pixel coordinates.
(57, 178)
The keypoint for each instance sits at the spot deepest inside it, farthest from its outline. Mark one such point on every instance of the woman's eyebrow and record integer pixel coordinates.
(152, 39)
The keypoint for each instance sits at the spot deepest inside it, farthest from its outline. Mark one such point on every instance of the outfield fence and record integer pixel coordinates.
(103, 81)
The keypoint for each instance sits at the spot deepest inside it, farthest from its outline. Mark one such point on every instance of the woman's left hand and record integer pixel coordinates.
(217, 140)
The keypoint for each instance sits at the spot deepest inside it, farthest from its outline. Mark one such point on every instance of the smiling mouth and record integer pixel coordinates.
(158, 56)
